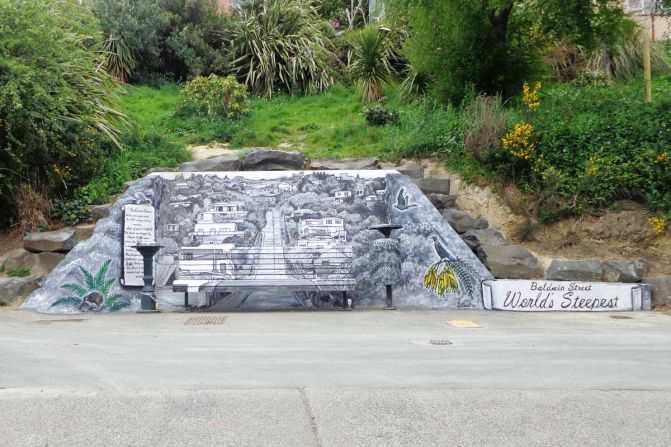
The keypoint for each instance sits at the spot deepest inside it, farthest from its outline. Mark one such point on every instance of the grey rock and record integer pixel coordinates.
(512, 262)
(660, 287)
(153, 170)
(569, 270)
(37, 263)
(345, 164)
(412, 170)
(127, 185)
(485, 236)
(434, 185)
(84, 231)
(387, 165)
(476, 248)
(224, 163)
(59, 240)
(272, 160)
(443, 201)
(15, 289)
(624, 271)
(462, 222)
(100, 211)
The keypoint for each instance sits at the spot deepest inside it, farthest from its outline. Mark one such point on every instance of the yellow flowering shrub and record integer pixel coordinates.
(658, 223)
(662, 158)
(519, 141)
(530, 96)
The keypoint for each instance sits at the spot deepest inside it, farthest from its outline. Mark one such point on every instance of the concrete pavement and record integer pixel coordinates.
(335, 379)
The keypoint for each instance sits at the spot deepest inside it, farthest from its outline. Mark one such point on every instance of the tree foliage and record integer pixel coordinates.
(58, 116)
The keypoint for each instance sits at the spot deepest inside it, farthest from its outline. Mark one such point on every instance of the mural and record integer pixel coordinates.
(281, 240)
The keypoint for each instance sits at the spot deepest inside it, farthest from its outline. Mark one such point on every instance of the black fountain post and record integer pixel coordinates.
(386, 230)
(148, 297)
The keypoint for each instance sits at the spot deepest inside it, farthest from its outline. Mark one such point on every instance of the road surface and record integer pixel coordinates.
(362, 378)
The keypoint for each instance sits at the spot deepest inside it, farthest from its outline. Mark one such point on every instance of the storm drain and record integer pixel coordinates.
(204, 320)
(440, 342)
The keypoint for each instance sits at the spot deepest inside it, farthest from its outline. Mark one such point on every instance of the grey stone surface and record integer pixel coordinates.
(37, 263)
(272, 160)
(624, 271)
(512, 262)
(571, 270)
(223, 163)
(660, 287)
(411, 169)
(434, 185)
(335, 379)
(59, 240)
(345, 164)
(443, 201)
(485, 236)
(84, 231)
(388, 165)
(15, 289)
(159, 169)
(100, 211)
(462, 222)
(127, 184)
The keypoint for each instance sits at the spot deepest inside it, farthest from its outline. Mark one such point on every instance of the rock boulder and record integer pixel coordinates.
(15, 289)
(512, 262)
(624, 271)
(568, 270)
(345, 164)
(660, 287)
(223, 163)
(412, 170)
(272, 160)
(60, 240)
(485, 236)
(443, 201)
(37, 263)
(434, 185)
(462, 222)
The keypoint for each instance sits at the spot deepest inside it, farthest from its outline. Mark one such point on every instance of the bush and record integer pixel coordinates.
(20, 272)
(485, 127)
(369, 67)
(378, 115)
(217, 96)
(58, 116)
(75, 209)
(280, 45)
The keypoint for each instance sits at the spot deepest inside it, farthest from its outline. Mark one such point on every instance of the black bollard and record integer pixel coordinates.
(148, 297)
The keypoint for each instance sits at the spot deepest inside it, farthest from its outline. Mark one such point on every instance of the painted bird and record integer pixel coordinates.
(440, 249)
(402, 201)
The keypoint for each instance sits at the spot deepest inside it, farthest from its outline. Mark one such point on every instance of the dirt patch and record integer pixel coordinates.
(211, 149)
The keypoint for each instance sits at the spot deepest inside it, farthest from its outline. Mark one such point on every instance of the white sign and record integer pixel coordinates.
(138, 228)
(569, 296)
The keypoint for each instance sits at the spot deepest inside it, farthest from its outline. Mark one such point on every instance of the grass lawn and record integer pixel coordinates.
(325, 125)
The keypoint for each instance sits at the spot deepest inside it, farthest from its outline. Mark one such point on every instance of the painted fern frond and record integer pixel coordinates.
(76, 288)
(74, 300)
(116, 301)
(107, 285)
(89, 279)
(102, 273)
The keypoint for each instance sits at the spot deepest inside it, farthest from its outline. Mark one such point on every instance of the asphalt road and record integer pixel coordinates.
(358, 378)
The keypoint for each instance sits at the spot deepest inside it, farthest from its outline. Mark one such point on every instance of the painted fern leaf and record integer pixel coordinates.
(116, 301)
(102, 273)
(74, 300)
(89, 279)
(76, 288)
(107, 286)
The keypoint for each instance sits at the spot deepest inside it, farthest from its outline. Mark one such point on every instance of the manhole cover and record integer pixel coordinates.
(621, 317)
(204, 321)
(440, 342)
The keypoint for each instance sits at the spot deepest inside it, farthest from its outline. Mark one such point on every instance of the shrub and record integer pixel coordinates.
(19, 272)
(485, 127)
(217, 96)
(58, 115)
(378, 115)
(74, 209)
(280, 45)
(33, 209)
(370, 68)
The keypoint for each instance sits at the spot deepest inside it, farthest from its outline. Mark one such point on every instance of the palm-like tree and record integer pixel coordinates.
(370, 67)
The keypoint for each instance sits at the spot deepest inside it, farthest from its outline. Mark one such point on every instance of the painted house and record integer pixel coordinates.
(327, 228)
(204, 261)
(341, 196)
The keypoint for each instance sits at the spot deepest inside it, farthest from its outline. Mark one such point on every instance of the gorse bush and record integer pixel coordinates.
(216, 96)
(58, 114)
(280, 45)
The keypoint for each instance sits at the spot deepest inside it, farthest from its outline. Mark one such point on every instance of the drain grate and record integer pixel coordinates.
(440, 342)
(621, 317)
(204, 321)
